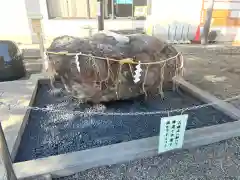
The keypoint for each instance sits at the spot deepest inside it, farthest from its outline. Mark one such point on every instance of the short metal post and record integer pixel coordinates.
(6, 157)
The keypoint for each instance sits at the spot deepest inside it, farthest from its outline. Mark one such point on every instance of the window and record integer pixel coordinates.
(87, 9)
(71, 9)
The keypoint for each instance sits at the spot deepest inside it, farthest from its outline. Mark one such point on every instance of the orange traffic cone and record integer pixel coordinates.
(197, 39)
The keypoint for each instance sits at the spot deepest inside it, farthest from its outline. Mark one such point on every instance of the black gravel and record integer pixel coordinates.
(53, 133)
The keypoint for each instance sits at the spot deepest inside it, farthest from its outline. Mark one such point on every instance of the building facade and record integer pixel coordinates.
(21, 19)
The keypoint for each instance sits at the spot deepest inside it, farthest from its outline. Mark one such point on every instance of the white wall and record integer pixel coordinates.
(187, 11)
(13, 21)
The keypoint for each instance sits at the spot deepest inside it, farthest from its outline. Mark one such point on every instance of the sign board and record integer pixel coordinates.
(36, 25)
(124, 1)
(140, 11)
(172, 130)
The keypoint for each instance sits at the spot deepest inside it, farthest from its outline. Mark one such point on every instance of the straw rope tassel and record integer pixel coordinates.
(162, 80)
(117, 81)
(145, 78)
(77, 61)
(137, 73)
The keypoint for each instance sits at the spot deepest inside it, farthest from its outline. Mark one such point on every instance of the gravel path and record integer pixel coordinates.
(219, 161)
(216, 70)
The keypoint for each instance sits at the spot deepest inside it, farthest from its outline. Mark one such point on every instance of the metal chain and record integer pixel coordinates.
(52, 109)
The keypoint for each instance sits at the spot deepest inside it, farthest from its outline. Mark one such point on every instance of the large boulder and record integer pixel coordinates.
(105, 78)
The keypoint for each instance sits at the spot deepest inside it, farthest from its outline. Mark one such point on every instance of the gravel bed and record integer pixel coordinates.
(53, 133)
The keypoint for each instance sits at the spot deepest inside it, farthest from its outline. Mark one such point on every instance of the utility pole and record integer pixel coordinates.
(88, 9)
(207, 24)
(6, 157)
(149, 7)
(100, 14)
(132, 9)
(113, 10)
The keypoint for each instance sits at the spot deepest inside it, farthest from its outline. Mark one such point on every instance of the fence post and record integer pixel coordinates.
(6, 157)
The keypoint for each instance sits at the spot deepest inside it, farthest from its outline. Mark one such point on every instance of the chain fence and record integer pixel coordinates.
(100, 108)
(64, 126)
(58, 144)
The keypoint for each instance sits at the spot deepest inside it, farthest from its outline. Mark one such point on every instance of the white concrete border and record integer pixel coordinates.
(70, 163)
(13, 120)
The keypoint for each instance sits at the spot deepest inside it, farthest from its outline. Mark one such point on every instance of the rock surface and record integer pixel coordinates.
(105, 79)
